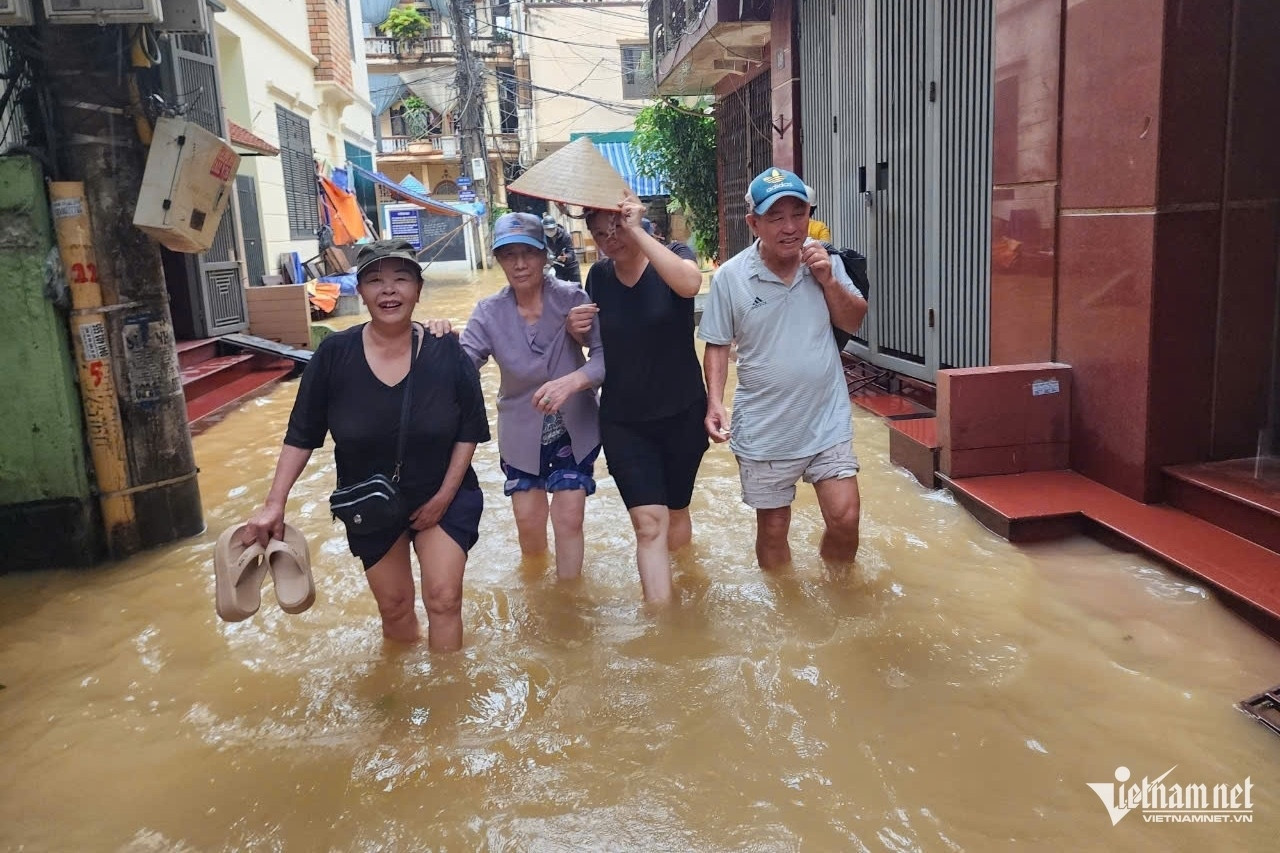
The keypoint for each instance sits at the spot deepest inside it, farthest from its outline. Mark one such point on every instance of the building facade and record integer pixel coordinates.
(1091, 182)
(591, 68)
(414, 86)
(293, 76)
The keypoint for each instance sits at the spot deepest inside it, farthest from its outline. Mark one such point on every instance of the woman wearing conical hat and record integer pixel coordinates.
(653, 399)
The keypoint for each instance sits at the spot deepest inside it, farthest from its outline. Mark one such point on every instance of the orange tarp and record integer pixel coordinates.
(323, 295)
(345, 216)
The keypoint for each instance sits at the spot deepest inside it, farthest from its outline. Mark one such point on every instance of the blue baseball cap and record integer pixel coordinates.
(773, 184)
(523, 228)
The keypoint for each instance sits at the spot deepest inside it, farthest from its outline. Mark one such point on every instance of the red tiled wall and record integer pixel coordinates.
(1025, 167)
(786, 82)
(1107, 231)
(1004, 420)
(1136, 237)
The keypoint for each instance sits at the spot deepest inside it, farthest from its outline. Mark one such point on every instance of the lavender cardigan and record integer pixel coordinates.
(529, 356)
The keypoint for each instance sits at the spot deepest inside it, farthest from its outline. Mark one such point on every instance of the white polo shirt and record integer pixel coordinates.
(791, 400)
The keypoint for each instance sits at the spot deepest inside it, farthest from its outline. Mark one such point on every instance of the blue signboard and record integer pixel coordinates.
(404, 226)
(463, 181)
(466, 195)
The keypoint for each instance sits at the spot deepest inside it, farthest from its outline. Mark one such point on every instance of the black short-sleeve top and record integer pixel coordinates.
(340, 395)
(647, 332)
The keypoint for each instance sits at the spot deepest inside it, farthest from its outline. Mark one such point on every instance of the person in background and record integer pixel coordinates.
(559, 245)
(653, 400)
(818, 229)
(353, 390)
(655, 231)
(777, 300)
(548, 417)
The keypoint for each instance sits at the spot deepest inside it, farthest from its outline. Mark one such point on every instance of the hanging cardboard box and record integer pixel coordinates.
(186, 187)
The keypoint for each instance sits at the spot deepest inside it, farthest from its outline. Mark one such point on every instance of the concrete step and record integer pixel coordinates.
(913, 444)
(1047, 504)
(1238, 495)
(191, 353)
(204, 376)
(202, 409)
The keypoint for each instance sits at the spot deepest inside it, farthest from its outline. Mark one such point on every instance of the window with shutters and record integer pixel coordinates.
(299, 165)
(637, 72)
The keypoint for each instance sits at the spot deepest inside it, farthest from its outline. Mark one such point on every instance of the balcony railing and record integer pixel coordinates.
(431, 47)
(710, 21)
(670, 20)
(446, 145)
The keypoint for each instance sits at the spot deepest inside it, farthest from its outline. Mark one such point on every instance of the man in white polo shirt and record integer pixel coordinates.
(777, 300)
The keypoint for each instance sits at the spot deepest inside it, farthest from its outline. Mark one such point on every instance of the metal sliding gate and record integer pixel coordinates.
(896, 117)
(742, 127)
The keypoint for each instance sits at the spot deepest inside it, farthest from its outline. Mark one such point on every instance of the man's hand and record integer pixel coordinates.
(579, 322)
(814, 256)
(717, 422)
(429, 514)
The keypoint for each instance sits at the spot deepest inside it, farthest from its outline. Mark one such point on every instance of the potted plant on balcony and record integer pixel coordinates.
(421, 121)
(406, 25)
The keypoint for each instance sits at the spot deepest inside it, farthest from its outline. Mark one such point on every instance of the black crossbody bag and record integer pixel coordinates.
(375, 504)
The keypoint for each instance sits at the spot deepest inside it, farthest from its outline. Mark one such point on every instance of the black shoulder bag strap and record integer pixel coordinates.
(405, 405)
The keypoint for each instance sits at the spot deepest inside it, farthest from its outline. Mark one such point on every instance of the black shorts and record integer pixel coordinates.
(656, 462)
(461, 521)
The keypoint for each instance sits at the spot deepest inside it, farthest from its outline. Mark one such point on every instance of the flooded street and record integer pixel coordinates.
(955, 692)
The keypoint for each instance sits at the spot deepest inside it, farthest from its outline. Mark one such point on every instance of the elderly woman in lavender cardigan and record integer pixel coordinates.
(548, 417)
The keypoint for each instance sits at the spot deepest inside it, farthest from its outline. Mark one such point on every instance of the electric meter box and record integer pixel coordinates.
(16, 13)
(103, 11)
(186, 187)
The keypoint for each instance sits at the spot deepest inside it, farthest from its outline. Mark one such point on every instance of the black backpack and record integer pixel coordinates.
(855, 264)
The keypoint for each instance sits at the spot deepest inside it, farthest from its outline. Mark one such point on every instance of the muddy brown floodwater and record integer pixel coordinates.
(955, 692)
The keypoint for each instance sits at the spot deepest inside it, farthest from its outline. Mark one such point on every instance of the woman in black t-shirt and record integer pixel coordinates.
(353, 389)
(653, 401)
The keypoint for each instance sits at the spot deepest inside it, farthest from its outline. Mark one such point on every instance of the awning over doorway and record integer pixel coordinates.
(436, 86)
(403, 193)
(242, 137)
(618, 152)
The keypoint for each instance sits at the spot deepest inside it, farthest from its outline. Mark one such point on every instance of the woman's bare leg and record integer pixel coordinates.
(567, 510)
(443, 562)
(651, 523)
(530, 509)
(391, 581)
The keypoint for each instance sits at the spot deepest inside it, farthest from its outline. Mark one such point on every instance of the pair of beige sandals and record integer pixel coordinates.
(239, 570)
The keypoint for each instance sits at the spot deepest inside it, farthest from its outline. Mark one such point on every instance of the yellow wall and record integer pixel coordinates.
(584, 58)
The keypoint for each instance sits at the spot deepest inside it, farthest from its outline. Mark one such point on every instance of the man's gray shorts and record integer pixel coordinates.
(772, 485)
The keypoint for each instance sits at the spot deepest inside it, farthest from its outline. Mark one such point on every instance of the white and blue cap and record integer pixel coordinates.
(523, 228)
(773, 184)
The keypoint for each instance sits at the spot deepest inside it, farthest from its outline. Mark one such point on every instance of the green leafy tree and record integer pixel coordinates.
(405, 22)
(678, 143)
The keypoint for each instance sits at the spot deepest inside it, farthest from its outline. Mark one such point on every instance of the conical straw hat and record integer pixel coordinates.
(576, 174)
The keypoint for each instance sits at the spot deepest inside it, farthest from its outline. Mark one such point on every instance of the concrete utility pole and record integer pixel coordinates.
(471, 89)
(99, 145)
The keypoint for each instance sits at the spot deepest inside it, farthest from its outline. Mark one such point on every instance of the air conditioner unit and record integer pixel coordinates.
(184, 16)
(16, 13)
(186, 186)
(103, 11)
